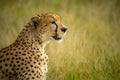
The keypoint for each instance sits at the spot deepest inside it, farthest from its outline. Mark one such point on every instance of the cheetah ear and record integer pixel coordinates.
(35, 21)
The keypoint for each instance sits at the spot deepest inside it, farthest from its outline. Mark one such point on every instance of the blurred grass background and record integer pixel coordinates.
(91, 48)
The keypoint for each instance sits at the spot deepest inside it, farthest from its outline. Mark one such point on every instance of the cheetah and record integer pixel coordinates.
(25, 58)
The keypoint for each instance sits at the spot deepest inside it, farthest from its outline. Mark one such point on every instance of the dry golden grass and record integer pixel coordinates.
(91, 48)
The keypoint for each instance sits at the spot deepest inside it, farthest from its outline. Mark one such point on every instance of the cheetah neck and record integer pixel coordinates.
(27, 39)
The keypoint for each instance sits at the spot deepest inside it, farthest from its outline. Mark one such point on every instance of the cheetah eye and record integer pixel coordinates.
(53, 22)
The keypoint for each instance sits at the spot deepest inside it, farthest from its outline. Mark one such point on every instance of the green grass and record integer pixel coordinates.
(91, 48)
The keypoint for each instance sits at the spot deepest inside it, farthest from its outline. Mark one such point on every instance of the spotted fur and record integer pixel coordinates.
(25, 59)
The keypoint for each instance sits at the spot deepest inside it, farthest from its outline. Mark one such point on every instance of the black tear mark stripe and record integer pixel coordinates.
(56, 30)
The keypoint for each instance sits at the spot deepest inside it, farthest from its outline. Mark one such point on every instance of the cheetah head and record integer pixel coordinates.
(48, 26)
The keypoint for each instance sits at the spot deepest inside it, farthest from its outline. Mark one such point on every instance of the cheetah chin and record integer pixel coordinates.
(56, 37)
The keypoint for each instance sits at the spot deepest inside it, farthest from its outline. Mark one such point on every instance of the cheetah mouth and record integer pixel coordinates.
(56, 37)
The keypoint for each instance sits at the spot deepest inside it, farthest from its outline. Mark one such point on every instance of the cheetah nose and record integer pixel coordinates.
(64, 29)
